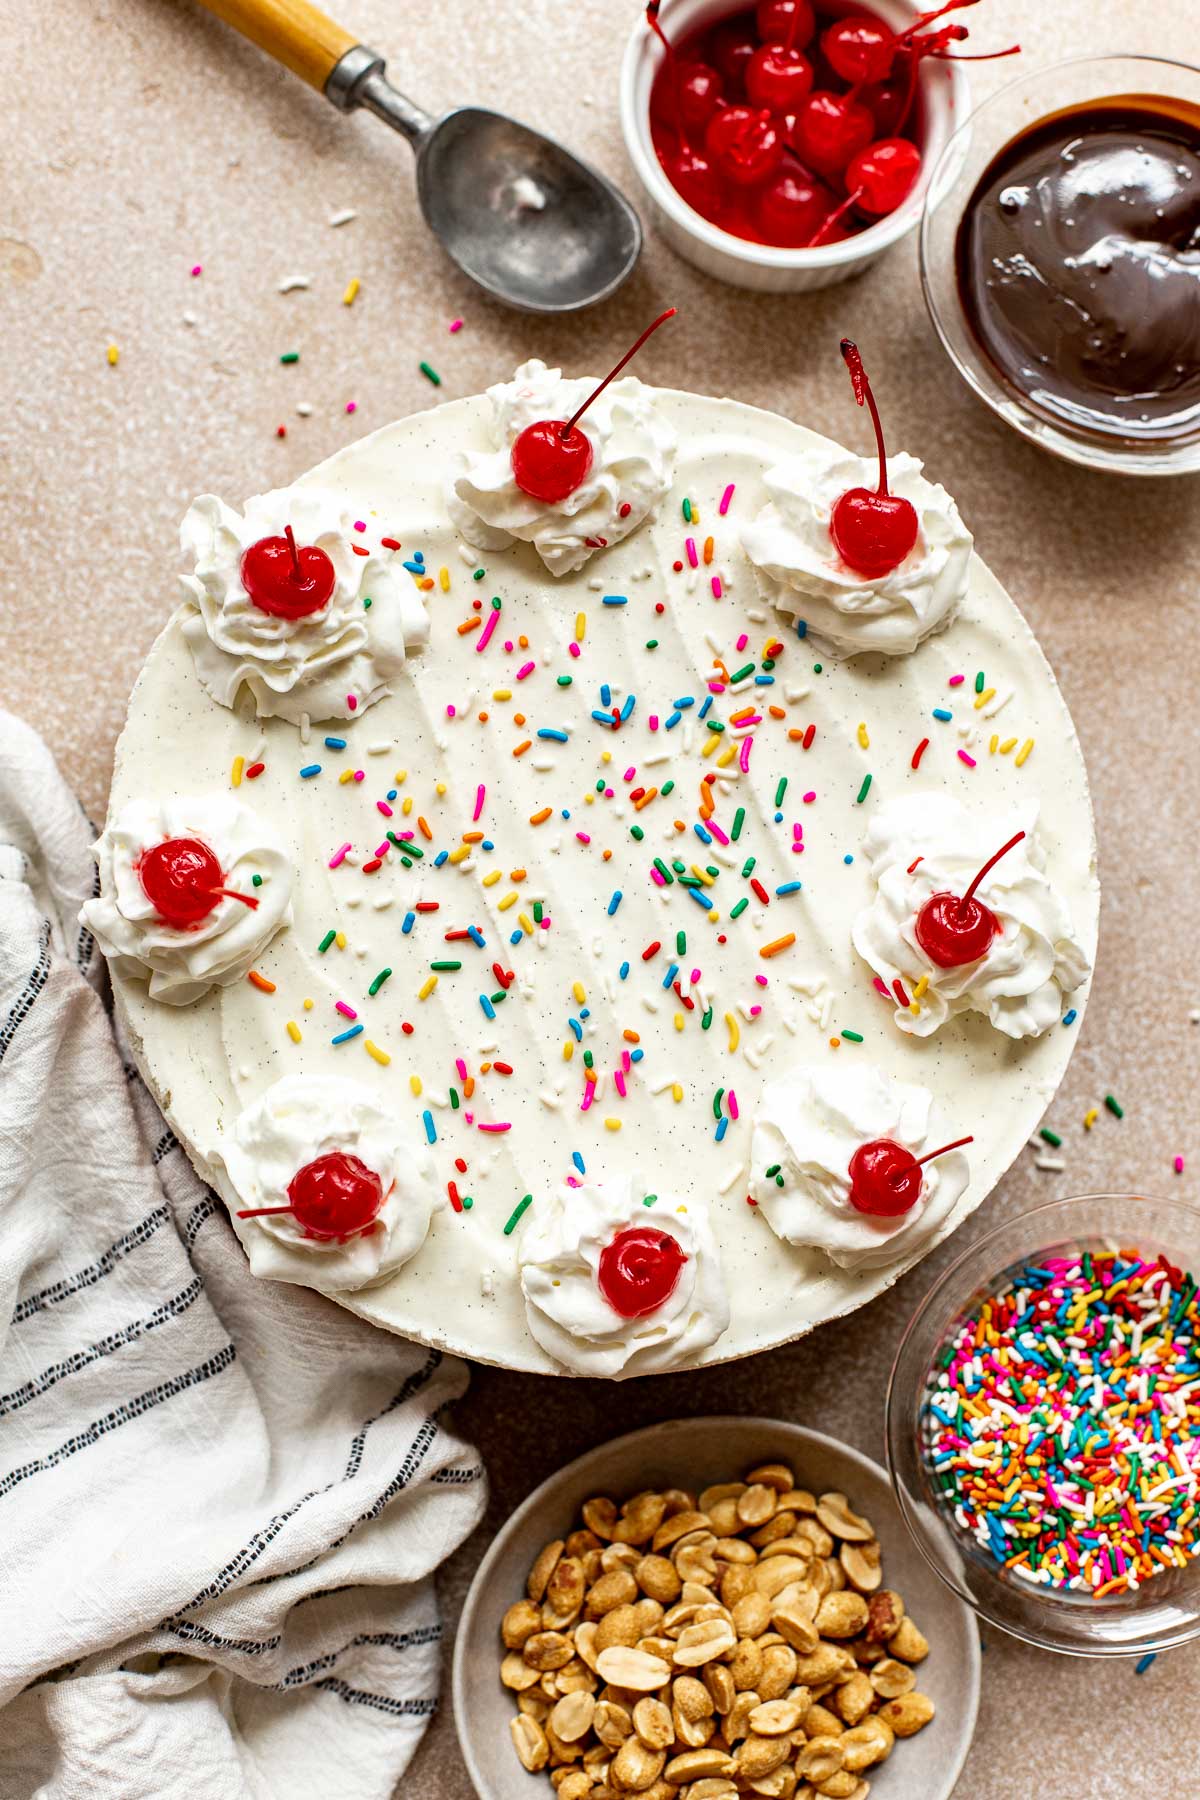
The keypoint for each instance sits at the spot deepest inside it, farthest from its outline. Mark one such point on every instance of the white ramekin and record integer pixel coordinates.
(945, 103)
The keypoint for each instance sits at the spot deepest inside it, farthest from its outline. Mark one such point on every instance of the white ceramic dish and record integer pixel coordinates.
(691, 1453)
(945, 102)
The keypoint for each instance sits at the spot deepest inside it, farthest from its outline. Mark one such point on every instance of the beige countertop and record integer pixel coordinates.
(143, 139)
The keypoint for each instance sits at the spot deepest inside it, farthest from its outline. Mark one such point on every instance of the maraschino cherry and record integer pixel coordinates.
(885, 1178)
(285, 580)
(778, 77)
(639, 1269)
(953, 931)
(551, 458)
(788, 22)
(880, 178)
(871, 532)
(829, 129)
(696, 87)
(883, 175)
(744, 144)
(860, 48)
(181, 878)
(732, 48)
(790, 208)
(332, 1199)
(699, 91)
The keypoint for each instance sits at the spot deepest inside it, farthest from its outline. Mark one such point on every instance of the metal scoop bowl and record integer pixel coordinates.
(528, 222)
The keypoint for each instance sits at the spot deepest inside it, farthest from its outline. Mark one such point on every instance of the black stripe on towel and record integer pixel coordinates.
(28, 994)
(399, 1709)
(94, 1272)
(106, 1346)
(262, 1539)
(121, 1415)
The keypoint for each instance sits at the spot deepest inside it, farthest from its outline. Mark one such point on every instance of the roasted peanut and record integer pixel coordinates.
(907, 1714)
(542, 1570)
(530, 1742)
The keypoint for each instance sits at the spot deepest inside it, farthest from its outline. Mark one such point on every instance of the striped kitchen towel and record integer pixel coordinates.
(221, 1499)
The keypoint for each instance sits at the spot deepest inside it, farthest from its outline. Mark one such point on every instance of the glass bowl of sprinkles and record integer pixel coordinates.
(1043, 1426)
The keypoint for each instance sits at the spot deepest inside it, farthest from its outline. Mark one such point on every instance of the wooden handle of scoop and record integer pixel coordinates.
(301, 37)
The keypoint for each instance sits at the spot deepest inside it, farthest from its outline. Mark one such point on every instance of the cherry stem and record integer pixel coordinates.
(929, 17)
(232, 894)
(982, 56)
(595, 394)
(864, 396)
(989, 864)
(898, 1175)
(910, 95)
(297, 571)
(831, 218)
(262, 1212)
(673, 65)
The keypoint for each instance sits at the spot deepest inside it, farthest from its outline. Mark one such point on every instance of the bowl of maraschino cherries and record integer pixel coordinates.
(785, 145)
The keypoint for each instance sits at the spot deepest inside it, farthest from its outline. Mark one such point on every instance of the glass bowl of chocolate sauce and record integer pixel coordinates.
(1060, 258)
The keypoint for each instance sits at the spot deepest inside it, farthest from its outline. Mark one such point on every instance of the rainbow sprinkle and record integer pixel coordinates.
(1061, 1424)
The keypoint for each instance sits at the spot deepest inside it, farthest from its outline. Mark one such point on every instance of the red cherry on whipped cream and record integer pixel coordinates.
(332, 1199)
(872, 532)
(551, 457)
(287, 580)
(953, 931)
(886, 1179)
(181, 878)
(639, 1270)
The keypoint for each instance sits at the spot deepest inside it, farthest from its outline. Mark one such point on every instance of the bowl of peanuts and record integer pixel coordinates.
(709, 1609)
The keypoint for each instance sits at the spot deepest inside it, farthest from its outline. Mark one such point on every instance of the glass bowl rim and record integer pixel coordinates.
(891, 1410)
(1056, 439)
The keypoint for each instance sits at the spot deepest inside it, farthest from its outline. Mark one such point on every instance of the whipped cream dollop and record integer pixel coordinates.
(296, 1121)
(633, 464)
(807, 1127)
(182, 963)
(800, 571)
(1033, 960)
(559, 1259)
(330, 664)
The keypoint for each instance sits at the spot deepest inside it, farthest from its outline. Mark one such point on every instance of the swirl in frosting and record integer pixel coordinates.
(1033, 960)
(297, 1121)
(808, 1126)
(182, 963)
(633, 464)
(330, 664)
(559, 1255)
(800, 571)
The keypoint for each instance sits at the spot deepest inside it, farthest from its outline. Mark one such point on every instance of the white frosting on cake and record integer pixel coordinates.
(1033, 961)
(327, 665)
(810, 1123)
(297, 1120)
(800, 571)
(462, 1288)
(633, 461)
(181, 964)
(559, 1259)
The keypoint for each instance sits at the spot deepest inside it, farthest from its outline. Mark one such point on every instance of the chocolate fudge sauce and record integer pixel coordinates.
(1078, 264)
